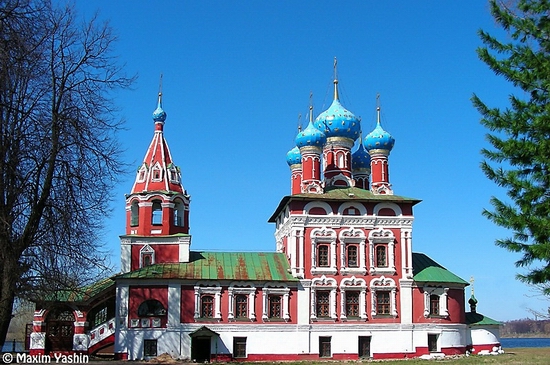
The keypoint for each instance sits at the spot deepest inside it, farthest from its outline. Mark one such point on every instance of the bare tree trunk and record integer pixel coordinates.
(59, 158)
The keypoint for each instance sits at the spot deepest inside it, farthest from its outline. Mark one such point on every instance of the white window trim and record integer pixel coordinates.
(443, 300)
(354, 284)
(323, 236)
(142, 168)
(245, 288)
(352, 236)
(146, 250)
(211, 288)
(275, 289)
(323, 284)
(387, 285)
(156, 167)
(382, 237)
(361, 208)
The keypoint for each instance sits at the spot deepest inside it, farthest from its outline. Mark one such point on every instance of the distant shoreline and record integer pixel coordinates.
(528, 335)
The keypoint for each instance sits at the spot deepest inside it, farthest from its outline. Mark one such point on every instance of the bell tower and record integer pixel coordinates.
(157, 208)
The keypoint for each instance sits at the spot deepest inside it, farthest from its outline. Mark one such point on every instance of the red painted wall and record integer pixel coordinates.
(139, 294)
(163, 253)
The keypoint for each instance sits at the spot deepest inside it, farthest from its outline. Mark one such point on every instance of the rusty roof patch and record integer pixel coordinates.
(264, 266)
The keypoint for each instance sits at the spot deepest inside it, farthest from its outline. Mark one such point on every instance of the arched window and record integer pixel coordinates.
(157, 213)
(147, 256)
(134, 214)
(178, 214)
(151, 308)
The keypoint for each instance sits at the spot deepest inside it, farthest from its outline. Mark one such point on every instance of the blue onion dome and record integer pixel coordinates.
(294, 157)
(159, 115)
(310, 136)
(337, 121)
(360, 159)
(379, 138)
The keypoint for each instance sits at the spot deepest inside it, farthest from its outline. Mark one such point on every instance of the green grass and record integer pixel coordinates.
(517, 356)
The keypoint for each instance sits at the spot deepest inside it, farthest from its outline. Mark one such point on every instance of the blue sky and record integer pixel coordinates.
(238, 73)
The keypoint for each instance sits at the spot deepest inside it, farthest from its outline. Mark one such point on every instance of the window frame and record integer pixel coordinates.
(204, 313)
(442, 294)
(207, 288)
(323, 284)
(147, 345)
(144, 252)
(382, 238)
(352, 238)
(383, 285)
(323, 236)
(246, 289)
(325, 347)
(273, 288)
(239, 348)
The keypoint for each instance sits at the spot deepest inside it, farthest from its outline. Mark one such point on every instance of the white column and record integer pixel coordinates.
(251, 306)
(406, 301)
(333, 303)
(121, 316)
(218, 304)
(231, 309)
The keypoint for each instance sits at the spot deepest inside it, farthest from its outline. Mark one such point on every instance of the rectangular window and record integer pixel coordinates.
(322, 256)
(381, 259)
(364, 347)
(352, 304)
(434, 304)
(382, 302)
(274, 306)
(352, 256)
(239, 347)
(323, 304)
(241, 306)
(324, 347)
(149, 347)
(207, 306)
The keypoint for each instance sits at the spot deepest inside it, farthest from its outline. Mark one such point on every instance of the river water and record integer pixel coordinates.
(508, 343)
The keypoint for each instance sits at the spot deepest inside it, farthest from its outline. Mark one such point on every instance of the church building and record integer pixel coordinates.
(342, 282)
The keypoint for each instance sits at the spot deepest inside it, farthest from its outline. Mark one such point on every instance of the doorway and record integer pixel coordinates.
(200, 349)
(364, 347)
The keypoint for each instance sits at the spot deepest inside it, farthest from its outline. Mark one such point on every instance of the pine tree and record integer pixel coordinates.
(520, 134)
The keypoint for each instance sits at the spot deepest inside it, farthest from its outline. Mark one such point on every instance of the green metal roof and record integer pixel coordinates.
(81, 294)
(478, 319)
(343, 194)
(427, 270)
(265, 266)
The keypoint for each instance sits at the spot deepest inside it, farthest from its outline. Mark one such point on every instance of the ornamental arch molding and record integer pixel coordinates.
(323, 205)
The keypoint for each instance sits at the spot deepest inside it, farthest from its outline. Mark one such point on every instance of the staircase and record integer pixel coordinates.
(101, 336)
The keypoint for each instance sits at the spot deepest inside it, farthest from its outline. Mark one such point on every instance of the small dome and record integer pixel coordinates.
(360, 159)
(379, 139)
(294, 156)
(159, 115)
(310, 136)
